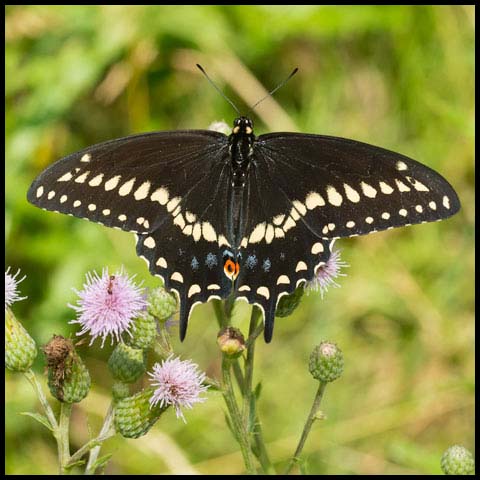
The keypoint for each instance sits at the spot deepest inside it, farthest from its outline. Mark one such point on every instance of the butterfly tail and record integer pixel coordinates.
(184, 314)
(269, 322)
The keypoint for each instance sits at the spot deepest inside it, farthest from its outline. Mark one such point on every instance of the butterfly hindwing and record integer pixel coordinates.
(269, 271)
(193, 269)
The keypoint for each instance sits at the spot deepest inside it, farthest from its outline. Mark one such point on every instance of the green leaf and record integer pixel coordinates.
(78, 463)
(39, 418)
(102, 461)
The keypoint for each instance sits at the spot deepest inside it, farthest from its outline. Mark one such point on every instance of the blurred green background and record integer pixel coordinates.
(398, 77)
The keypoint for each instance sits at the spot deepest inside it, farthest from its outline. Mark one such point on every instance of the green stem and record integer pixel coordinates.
(249, 367)
(229, 303)
(258, 330)
(106, 432)
(237, 371)
(63, 436)
(308, 425)
(249, 401)
(219, 312)
(237, 424)
(223, 312)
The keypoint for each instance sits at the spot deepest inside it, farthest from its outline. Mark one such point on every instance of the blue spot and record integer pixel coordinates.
(251, 261)
(266, 265)
(211, 261)
(194, 263)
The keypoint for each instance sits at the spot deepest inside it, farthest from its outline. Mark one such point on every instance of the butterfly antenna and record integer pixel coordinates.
(295, 70)
(217, 89)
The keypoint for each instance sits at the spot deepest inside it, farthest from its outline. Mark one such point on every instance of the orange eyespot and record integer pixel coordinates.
(231, 269)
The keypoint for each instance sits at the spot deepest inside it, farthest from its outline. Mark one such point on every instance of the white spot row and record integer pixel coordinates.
(268, 232)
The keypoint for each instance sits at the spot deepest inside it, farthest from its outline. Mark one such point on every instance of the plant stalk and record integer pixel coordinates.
(308, 425)
(62, 435)
(236, 418)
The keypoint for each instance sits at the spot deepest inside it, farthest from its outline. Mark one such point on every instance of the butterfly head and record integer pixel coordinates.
(242, 126)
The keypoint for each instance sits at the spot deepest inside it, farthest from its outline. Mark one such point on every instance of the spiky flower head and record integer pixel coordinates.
(108, 304)
(178, 383)
(144, 331)
(120, 390)
(134, 416)
(11, 286)
(161, 304)
(20, 347)
(457, 460)
(127, 363)
(326, 274)
(326, 362)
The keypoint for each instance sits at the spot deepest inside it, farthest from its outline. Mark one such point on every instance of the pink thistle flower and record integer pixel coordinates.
(11, 284)
(326, 274)
(108, 304)
(178, 383)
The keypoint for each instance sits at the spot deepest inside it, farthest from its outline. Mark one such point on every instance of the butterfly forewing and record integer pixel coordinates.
(343, 188)
(133, 183)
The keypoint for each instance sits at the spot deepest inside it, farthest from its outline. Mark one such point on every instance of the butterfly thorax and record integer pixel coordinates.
(241, 149)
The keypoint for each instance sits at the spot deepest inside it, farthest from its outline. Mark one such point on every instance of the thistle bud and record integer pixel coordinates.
(231, 342)
(326, 362)
(20, 348)
(120, 390)
(161, 304)
(457, 460)
(288, 303)
(126, 363)
(68, 377)
(144, 332)
(134, 416)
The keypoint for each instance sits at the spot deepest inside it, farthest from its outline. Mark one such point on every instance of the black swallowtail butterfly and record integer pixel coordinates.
(253, 216)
